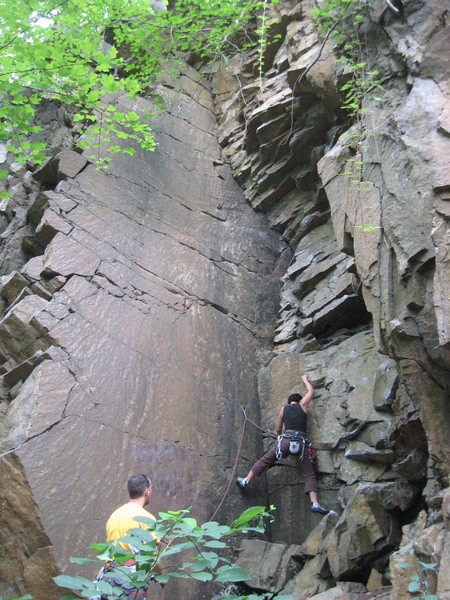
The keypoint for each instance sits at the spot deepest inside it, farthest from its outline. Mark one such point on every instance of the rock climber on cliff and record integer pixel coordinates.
(292, 441)
(117, 527)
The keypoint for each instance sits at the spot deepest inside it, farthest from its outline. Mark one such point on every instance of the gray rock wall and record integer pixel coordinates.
(363, 309)
(129, 340)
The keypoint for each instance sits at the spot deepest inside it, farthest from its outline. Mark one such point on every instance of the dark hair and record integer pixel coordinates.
(137, 484)
(294, 398)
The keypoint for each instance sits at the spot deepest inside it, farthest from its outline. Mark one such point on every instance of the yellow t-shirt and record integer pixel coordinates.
(122, 520)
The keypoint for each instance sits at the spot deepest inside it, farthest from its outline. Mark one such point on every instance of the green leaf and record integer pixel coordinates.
(81, 561)
(4, 173)
(214, 530)
(177, 548)
(150, 523)
(215, 544)
(100, 547)
(38, 146)
(248, 515)
(203, 576)
(110, 84)
(196, 566)
(72, 583)
(192, 523)
(132, 117)
(82, 144)
(130, 151)
(104, 587)
(231, 574)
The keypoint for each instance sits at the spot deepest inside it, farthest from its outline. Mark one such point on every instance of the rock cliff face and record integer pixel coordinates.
(130, 337)
(139, 310)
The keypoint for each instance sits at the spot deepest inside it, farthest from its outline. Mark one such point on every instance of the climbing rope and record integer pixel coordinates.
(266, 431)
(246, 419)
(234, 467)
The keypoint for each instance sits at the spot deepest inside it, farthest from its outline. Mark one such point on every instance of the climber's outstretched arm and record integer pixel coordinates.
(309, 393)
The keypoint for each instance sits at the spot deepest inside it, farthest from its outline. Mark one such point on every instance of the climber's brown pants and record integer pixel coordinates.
(306, 468)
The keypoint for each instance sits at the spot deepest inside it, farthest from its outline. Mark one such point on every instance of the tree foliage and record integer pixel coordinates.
(345, 19)
(83, 52)
(202, 549)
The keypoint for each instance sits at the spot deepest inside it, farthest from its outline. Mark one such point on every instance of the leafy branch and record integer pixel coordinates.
(174, 533)
(344, 20)
(80, 51)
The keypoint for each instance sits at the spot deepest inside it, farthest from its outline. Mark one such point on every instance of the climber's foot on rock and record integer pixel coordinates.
(317, 508)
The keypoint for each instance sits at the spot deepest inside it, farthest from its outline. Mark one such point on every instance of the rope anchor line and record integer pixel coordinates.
(246, 420)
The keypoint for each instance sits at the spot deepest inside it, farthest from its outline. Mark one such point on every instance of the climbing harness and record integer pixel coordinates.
(295, 439)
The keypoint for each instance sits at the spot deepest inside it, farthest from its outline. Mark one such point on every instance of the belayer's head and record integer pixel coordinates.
(294, 398)
(140, 488)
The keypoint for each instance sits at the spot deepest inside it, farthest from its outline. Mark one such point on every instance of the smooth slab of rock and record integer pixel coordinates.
(356, 471)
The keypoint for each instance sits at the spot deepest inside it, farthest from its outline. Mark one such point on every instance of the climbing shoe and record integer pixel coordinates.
(242, 482)
(317, 508)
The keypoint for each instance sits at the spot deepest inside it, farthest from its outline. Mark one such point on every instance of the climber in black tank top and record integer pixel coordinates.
(293, 417)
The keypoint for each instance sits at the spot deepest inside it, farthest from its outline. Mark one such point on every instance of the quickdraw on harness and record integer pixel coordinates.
(295, 438)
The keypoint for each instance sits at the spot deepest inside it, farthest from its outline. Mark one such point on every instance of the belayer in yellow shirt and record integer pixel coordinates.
(122, 519)
(117, 527)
